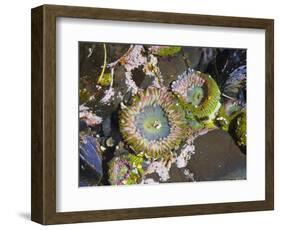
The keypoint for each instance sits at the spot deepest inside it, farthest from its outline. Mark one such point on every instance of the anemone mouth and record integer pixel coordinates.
(198, 93)
(154, 124)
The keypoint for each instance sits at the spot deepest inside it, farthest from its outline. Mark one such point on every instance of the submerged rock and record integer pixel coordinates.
(192, 56)
(171, 67)
(106, 126)
(90, 162)
(217, 157)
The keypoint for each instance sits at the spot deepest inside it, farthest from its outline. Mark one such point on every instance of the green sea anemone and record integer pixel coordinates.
(165, 51)
(154, 123)
(105, 80)
(198, 93)
(227, 113)
(125, 169)
(84, 95)
(241, 129)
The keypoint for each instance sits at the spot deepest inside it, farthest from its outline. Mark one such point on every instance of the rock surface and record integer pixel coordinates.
(217, 157)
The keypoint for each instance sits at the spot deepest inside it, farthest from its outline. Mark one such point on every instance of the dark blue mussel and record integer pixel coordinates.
(90, 162)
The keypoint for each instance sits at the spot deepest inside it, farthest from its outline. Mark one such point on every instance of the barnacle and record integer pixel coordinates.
(198, 93)
(154, 123)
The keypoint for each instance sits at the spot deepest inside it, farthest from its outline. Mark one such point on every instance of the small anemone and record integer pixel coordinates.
(227, 113)
(241, 129)
(164, 51)
(154, 123)
(105, 80)
(84, 95)
(198, 93)
(125, 169)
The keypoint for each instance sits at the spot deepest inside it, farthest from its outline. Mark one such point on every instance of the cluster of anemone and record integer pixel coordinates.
(158, 120)
(125, 169)
(198, 93)
(154, 124)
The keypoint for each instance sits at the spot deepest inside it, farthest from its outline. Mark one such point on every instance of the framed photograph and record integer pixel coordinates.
(139, 114)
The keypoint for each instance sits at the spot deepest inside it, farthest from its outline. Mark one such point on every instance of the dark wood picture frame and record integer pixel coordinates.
(43, 197)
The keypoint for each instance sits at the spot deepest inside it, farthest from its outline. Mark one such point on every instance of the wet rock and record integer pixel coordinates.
(171, 67)
(106, 126)
(119, 82)
(90, 67)
(154, 176)
(229, 59)
(226, 61)
(90, 162)
(91, 59)
(127, 98)
(115, 51)
(102, 108)
(92, 56)
(217, 157)
(82, 125)
(192, 56)
(235, 85)
(138, 75)
(148, 81)
(179, 175)
(119, 89)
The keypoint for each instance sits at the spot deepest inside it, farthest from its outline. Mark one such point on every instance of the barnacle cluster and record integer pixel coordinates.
(198, 93)
(154, 123)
